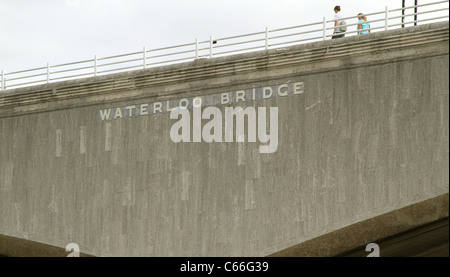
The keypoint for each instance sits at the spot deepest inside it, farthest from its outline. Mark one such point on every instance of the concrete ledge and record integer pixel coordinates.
(429, 240)
(371, 230)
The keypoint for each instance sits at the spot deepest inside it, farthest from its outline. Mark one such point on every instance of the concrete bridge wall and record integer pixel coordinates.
(366, 134)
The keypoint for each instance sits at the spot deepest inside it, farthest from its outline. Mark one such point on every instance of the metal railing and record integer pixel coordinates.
(215, 47)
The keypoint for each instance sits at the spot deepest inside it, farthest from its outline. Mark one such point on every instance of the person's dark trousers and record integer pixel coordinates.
(337, 36)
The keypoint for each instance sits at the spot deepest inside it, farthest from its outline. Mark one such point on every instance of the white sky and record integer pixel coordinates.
(34, 32)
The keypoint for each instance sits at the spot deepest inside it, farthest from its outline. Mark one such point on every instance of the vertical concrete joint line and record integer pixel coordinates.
(108, 136)
(185, 183)
(58, 142)
(241, 151)
(83, 140)
(249, 198)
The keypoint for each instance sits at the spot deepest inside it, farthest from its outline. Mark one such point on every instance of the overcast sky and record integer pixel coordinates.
(34, 32)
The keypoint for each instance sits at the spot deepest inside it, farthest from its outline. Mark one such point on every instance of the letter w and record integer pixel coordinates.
(104, 114)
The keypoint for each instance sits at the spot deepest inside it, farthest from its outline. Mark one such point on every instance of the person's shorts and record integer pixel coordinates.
(338, 35)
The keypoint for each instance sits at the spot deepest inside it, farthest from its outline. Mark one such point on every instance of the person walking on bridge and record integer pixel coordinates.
(363, 25)
(339, 24)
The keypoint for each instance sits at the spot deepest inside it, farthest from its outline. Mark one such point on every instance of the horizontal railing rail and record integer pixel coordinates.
(263, 40)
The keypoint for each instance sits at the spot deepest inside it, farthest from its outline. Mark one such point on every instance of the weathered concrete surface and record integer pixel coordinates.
(367, 137)
(376, 229)
(392, 231)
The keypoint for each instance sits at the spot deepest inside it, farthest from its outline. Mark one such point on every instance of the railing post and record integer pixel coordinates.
(196, 48)
(267, 38)
(415, 13)
(95, 65)
(3, 81)
(210, 47)
(386, 19)
(145, 57)
(48, 73)
(403, 13)
(324, 28)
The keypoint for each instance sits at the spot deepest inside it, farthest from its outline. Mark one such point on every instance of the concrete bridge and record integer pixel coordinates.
(362, 155)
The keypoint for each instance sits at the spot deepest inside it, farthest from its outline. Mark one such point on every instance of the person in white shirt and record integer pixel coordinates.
(337, 19)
